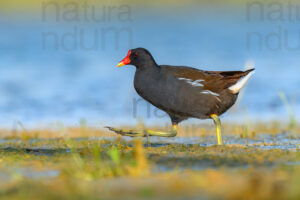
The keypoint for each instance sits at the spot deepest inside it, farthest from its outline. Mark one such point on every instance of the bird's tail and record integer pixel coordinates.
(245, 76)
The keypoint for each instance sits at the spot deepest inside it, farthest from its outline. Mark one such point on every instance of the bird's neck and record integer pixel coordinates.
(149, 65)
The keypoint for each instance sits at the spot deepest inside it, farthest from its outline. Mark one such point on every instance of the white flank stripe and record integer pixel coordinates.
(240, 84)
(193, 83)
(209, 92)
(184, 79)
(197, 83)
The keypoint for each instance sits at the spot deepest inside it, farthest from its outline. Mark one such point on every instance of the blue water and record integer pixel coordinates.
(43, 85)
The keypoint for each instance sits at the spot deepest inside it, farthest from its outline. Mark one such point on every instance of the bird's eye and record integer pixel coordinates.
(135, 55)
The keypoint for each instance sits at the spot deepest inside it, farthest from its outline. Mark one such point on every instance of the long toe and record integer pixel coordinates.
(123, 132)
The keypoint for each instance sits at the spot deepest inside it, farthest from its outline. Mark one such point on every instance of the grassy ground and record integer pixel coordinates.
(73, 164)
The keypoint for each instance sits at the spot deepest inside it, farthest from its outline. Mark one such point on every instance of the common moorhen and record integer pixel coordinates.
(183, 92)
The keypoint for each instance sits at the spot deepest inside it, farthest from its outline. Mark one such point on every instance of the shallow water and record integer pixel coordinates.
(283, 141)
(27, 173)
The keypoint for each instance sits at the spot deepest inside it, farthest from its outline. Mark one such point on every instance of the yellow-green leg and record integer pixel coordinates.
(145, 133)
(218, 127)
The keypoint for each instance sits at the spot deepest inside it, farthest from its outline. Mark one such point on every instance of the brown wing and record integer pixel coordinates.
(214, 81)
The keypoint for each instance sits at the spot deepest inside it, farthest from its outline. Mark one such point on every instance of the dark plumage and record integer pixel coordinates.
(184, 92)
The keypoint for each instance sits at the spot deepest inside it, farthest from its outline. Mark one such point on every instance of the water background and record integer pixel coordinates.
(43, 85)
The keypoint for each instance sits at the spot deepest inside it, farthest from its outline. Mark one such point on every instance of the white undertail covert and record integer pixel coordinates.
(240, 83)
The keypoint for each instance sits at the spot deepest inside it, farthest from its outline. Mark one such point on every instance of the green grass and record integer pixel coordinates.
(108, 169)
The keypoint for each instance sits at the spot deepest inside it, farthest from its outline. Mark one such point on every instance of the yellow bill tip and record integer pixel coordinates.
(120, 64)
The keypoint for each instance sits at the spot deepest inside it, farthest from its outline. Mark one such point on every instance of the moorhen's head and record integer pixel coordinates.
(138, 57)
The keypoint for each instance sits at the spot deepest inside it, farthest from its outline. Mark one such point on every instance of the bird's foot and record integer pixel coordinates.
(123, 132)
(144, 133)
